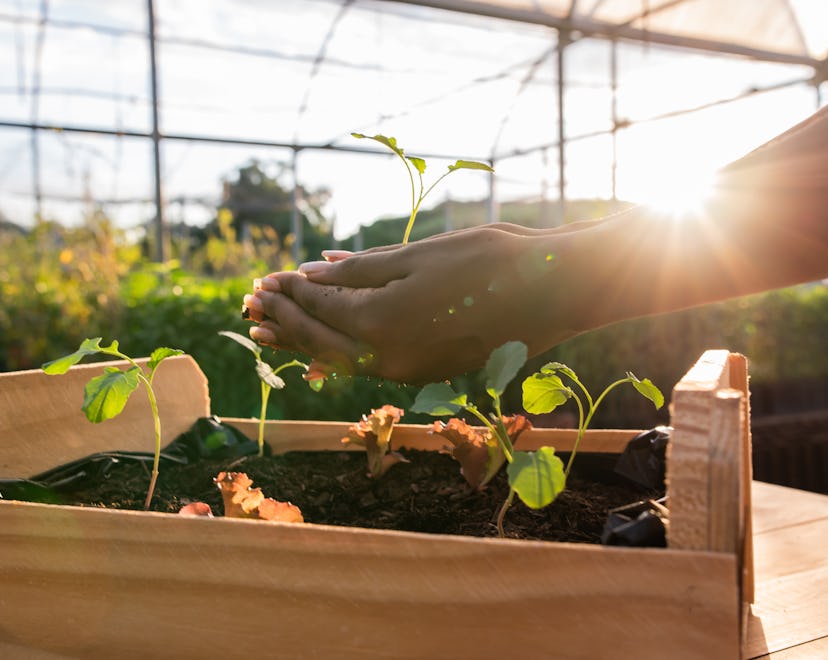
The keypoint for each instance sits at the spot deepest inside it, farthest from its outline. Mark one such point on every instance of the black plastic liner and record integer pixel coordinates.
(207, 438)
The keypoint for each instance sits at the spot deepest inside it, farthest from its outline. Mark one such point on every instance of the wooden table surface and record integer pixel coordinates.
(789, 618)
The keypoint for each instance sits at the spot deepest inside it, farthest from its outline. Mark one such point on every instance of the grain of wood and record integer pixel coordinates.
(42, 424)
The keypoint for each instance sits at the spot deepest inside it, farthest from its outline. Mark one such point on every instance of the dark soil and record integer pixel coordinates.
(427, 494)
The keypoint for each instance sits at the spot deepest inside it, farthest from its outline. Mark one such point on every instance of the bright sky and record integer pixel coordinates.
(456, 86)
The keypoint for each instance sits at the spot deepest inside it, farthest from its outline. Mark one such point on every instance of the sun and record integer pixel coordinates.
(677, 191)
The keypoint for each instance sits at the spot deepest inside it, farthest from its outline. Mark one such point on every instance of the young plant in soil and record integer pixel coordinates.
(106, 395)
(536, 477)
(374, 433)
(440, 399)
(268, 377)
(418, 165)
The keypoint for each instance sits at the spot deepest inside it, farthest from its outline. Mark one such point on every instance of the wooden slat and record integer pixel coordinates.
(284, 436)
(778, 507)
(42, 424)
(688, 465)
(136, 585)
(738, 376)
(725, 524)
(816, 650)
(788, 618)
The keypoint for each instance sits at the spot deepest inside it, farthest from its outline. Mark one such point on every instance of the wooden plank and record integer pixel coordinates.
(816, 650)
(47, 427)
(287, 435)
(777, 507)
(688, 464)
(791, 569)
(789, 611)
(137, 585)
(738, 376)
(725, 522)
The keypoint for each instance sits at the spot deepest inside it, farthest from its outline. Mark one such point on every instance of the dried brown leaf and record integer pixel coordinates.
(242, 501)
(270, 509)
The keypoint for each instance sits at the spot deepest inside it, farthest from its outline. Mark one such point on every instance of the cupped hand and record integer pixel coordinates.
(420, 312)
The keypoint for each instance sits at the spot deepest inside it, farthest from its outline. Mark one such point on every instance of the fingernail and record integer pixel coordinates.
(257, 284)
(311, 267)
(336, 255)
(270, 284)
(262, 335)
(253, 303)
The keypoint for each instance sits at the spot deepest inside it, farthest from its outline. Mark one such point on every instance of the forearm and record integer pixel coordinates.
(766, 226)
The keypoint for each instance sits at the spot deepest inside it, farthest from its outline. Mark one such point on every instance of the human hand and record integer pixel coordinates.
(419, 312)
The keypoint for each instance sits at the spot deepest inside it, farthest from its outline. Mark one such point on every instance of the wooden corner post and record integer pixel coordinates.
(709, 468)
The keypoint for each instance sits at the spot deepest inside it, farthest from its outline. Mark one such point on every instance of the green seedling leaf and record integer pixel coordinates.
(470, 165)
(438, 399)
(555, 367)
(419, 163)
(647, 389)
(106, 395)
(88, 347)
(543, 392)
(266, 375)
(389, 142)
(161, 354)
(503, 365)
(248, 343)
(537, 477)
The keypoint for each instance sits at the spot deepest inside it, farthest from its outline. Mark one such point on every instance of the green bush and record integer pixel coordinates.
(59, 286)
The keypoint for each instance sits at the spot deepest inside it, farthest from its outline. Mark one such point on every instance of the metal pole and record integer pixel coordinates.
(160, 229)
(295, 217)
(563, 38)
(614, 107)
(37, 188)
(492, 211)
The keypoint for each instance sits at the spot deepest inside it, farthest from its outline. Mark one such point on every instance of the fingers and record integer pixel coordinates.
(358, 271)
(296, 330)
(343, 308)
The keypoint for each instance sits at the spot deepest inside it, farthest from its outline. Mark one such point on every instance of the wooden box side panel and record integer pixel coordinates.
(287, 435)
(156, 585)
(42, 425)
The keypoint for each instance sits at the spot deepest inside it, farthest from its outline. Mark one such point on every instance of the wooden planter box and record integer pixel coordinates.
(84, 582)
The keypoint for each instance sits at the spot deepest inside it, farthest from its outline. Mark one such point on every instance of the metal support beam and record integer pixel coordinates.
(161, 252)
(589, 27)
(492, 211)
(614, 111)
(563, 39)
(295, 216)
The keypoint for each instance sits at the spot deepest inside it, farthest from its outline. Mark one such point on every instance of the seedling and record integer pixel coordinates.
(479, 452)
(412, 164)
(106, 395)
(374, 433)
(536, 477)
(268, 377)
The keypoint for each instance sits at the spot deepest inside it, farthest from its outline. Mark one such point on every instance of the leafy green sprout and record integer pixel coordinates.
(418, 165)
(268, 377)
(544, 391)
(536, 477)
(440, 399)
(106, 395)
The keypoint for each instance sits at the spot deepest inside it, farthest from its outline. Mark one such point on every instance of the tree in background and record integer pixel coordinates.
(257, 211)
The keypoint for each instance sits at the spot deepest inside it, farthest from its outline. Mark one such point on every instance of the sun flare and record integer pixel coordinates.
(678, 192)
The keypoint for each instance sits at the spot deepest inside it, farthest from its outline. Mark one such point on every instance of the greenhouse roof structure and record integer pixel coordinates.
(144, 106)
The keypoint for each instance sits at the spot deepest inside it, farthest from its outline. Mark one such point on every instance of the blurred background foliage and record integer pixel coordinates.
(60, 284)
